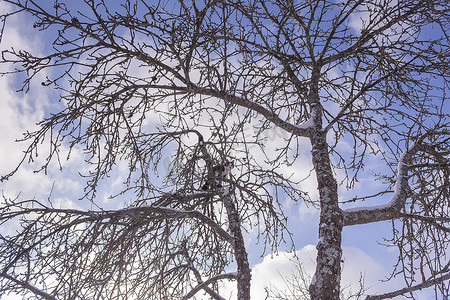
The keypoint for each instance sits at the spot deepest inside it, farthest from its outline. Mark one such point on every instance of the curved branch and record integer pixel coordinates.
(29, 287)
(175, 213)
(296, 129)
(390, 210)
(208, 282)
(420, 286)
(197, 274)
(169, 213)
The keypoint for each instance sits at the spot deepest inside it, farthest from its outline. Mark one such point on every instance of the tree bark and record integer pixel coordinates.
(326, 281)
(244, 276)
(243, 269)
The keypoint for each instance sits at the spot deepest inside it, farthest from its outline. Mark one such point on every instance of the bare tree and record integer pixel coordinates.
(141, 78)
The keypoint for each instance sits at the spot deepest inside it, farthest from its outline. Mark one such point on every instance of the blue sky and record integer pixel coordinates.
(20, 112)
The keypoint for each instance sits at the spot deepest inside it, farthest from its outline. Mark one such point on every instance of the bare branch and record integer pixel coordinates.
(420, 286)
(390, 210)
(208, 282)
(28, 286)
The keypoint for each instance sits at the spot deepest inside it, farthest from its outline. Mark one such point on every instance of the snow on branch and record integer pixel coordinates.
(150, 212)
(391, 209)
(308, 123)
(28, 286)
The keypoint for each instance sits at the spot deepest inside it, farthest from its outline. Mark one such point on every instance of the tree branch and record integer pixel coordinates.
(208, 282)
(271, 116)
(29, 287)
(197, 274)
(390, 210)
(420, 286)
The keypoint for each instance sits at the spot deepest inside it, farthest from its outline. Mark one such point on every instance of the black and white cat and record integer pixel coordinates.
(219, 172)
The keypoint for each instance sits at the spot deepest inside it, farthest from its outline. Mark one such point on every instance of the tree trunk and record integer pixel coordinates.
(234, 225)
(326, 281)
(243, 269)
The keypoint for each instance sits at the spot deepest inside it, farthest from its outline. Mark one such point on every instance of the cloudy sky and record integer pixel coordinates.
(363, 256)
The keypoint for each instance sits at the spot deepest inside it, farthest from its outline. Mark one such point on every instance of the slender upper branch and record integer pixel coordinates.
(271, 116)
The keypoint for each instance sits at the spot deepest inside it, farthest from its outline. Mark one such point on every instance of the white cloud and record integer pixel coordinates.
(275, 270)
(18, 115)
(20, 112)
